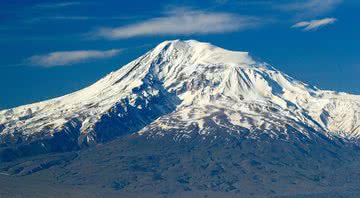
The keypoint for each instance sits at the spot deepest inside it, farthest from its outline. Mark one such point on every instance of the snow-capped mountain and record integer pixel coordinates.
(182, 88)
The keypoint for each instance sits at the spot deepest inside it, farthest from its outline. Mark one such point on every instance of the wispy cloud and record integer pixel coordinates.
(182, 22)
(309, 8)
(61, 58)
(58, 5)
(314, 24)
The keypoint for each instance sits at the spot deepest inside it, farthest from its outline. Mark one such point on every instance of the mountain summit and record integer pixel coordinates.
(183, 89)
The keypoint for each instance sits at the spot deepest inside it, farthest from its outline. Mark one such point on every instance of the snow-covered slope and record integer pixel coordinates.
(185, 87)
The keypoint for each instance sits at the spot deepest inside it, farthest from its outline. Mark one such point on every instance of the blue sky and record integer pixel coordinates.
(50, 48)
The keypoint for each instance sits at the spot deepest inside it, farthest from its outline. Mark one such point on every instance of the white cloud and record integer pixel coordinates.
(182, 22)
(61, 58)
(58, 5)
(314, 24)
(310, 8)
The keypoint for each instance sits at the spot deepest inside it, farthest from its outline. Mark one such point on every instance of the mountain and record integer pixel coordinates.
(186, 119)
(183, 89)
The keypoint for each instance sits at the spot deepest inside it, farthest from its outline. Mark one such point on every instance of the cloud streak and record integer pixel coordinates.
(310, 8)
(58, 5)
(61, 58)
(314, 24)
(181, 22)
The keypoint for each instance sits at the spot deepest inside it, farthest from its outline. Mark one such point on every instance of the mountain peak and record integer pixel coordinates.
(206, 52)
(183, 87)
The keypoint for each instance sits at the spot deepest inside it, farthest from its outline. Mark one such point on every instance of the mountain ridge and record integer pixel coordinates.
(182, 87)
